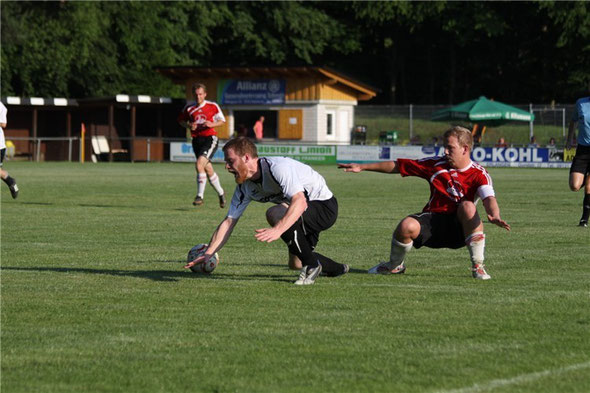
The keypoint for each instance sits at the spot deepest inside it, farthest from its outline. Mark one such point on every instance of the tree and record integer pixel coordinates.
(415, 52)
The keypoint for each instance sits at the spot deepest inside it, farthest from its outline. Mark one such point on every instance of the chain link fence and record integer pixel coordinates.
(412, 125)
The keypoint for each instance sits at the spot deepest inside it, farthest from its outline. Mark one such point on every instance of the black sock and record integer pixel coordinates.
(9, 180)
(586, 207)
(329, 266)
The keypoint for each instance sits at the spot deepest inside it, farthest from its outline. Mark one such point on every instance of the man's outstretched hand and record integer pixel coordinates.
(350, 167)
(196, 261)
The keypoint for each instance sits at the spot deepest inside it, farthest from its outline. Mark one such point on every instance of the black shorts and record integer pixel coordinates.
(439, 231)
(319, 216)
(581, 162)
(2, 155)
(205, 146)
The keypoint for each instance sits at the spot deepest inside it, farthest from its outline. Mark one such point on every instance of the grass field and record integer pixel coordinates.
(95, 299)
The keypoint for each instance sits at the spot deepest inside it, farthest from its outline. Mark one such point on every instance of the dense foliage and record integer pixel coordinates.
(414, 52)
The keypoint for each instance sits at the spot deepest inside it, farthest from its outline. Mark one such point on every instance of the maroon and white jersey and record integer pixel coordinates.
(208, 111)
(448, 186)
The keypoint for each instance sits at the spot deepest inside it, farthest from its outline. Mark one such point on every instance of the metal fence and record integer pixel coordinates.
(545, 114)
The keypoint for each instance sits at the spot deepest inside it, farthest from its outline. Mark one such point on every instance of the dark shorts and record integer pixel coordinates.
(581, 162)
(319, 216)
(205, 146)
(439, 231)
(2, 155)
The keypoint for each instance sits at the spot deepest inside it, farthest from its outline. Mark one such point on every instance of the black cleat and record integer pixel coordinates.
(198, 201)
(14, 191)
(222, 201)
(583, 223)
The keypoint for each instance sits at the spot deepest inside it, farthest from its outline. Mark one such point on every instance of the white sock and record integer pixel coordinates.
(201, 183)
(476, 243)
(398, 252)
(214, 180)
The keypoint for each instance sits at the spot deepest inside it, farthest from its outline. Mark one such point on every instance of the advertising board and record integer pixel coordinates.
(183, 152)
(251, 91)
(487, 156)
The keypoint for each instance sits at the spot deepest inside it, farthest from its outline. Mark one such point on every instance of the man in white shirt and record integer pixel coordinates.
(304, 206)
(10, 181)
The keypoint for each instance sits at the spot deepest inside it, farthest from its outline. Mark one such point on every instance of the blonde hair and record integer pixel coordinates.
(462, 134)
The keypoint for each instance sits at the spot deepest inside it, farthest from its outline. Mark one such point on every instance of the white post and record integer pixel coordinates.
(411, 121)
(531, 122)
(148, 150)
(70, 140)
(563, 120)
(39, 149)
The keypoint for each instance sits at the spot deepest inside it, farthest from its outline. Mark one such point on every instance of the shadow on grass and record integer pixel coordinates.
(352, 270)
(155, 275)
(103, 206)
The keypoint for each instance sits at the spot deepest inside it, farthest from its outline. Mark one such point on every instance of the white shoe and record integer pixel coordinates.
(382, 268)
(308, 275)
(479, 272)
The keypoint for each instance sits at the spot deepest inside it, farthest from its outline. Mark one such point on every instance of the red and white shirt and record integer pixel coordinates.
(207, 111)
(448, 186)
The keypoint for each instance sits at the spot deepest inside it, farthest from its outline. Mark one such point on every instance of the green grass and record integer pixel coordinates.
(514, 133)
(94, 297)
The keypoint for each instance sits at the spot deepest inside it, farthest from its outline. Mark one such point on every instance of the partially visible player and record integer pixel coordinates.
(450, 218)
(10, 181)
(580, 169)
(304, 207)
(202, 118)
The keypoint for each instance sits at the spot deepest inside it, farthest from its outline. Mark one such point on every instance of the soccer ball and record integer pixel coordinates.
(206, 267)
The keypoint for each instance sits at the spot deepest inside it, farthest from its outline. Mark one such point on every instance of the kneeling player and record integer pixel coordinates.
(450, 218)
(303, 207)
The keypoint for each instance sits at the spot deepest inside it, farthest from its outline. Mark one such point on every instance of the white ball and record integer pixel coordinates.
(206, 267)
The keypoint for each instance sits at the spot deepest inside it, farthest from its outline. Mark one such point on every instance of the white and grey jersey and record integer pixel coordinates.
(281, 178)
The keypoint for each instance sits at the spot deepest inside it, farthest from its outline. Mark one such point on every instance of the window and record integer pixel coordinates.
(329, 123)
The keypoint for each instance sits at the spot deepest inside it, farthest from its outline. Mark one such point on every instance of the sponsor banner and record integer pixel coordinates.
(527, 164)
(308, 154)
(479, 154)
(568, 154)
(487, 156)
(510, 154)
(251, 91)
(183, 152)
(384, 153)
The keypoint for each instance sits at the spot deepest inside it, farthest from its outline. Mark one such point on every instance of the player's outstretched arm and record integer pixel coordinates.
(384, 167)
(493, 212)
(219, 238)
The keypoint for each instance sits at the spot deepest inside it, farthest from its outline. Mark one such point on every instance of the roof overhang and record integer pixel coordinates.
(181, 74)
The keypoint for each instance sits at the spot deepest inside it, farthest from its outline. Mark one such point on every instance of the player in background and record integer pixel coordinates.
(580, 169)
(10, 181)
(450, 218)
(304, 207)
(202, 118)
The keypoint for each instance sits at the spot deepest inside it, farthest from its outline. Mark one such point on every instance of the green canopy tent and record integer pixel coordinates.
(483, 112)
